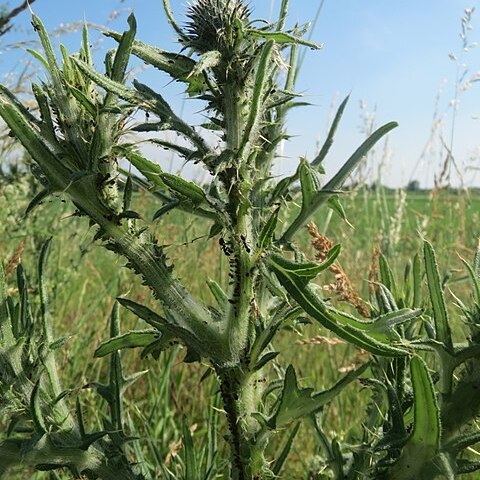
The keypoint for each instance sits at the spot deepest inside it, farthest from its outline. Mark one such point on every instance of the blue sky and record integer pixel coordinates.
(392, 55)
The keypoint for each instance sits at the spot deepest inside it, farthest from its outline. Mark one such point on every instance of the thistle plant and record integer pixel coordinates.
(42, 431)
(246, 76)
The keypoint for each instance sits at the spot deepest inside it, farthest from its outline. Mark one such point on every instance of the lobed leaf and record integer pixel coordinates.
(296, 403)
(353, 332)
(308, 270)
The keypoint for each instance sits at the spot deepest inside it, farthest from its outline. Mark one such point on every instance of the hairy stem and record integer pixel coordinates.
(147, 260)
(240, 402)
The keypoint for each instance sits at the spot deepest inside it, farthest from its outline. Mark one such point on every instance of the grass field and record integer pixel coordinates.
(84, 282)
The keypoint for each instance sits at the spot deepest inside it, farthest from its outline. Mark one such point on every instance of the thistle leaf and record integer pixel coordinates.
(382, 327)
(440, 314)
(150, 170)
(475, 280)
(261, 81)
(335, 205)
(47, 126)
(417, 282)
(184, 188)
(336, 182)
(282, 317)
(462, 441)
(84, 101)
(283, 38)
(298, 288)
(467, 466)
(122, 55)
(318, 160)
(178, 66)
(207, 60)
(36, 200)
(423, 444)
(296, 403)
(132, 339)
(280, 460)
(310, 182)
(386, 276)
(264, 360)
(38, 56)
(36, 409)
(169, 329)
(220, 296)
(56, 170)
(308, 270)
(265, 238)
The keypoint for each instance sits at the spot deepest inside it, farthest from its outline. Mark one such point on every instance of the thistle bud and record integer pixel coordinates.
(214, 24)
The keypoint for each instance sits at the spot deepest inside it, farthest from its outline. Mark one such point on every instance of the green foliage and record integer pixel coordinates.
(43, 432)
(296, 403)
(77, 140)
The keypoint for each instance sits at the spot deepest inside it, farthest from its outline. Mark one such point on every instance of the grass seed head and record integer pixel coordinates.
(14, 260)
(342, 285)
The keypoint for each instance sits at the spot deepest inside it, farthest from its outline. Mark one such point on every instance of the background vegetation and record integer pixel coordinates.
(84, 280)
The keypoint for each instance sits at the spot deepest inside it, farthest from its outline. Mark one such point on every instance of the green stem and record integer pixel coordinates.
(234, 120)
(240, 402)
(147, 260)
(238, 319)
(238, 184)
